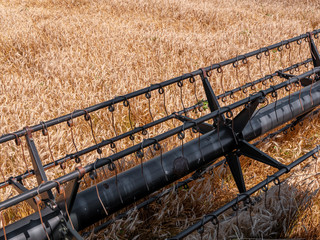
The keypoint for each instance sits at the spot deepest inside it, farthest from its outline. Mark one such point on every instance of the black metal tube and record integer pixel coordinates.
(131, 184)
(286, 111)
(153, 87)
(199, 173)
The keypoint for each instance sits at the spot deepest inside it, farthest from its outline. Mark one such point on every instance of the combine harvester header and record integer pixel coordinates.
(61, 210)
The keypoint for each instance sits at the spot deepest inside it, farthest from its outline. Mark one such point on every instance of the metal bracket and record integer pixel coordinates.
(304, 81)
(71, 193)
(241, 120)
(73, 232)
(245, 148)
(203, 127)
(20, 189)
(37, 164)
(251, 151)
(211, 97)
(235, 167)
(65, 231)
(285, 75)
(314, 52)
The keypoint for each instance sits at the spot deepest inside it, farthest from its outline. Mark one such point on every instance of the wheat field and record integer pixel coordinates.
(57, 56)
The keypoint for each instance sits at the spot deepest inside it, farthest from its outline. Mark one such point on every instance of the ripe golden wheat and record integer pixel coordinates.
(57, 56)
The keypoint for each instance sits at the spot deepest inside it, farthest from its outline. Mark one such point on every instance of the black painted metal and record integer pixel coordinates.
(36, 161)
(131, 185)
(151, 124)
(286, 110)
(20, 189)
(235, 168)
(314, 52)
(196, 175)
(203, 127)
(208, 168)
(118, 99)
(242, 119)
(251, 151)
(211, 97)
(304, 82)
(37, 165)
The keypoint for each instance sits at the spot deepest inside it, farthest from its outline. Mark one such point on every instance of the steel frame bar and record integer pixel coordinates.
(153, 87)
(37, 164)
(148, 142)
(149, 125)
